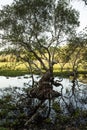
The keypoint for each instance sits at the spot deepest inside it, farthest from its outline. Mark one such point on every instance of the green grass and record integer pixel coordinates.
(18, 69)
(13, 72)
(12, 69)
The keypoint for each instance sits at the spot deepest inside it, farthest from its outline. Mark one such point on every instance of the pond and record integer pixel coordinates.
(78, 97)
(21, 81)
(24, 81)
(14, 81)
(73, 97)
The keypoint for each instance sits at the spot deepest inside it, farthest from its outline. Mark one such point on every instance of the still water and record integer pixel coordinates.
(13, 81)
(26, 80)
(78, 98)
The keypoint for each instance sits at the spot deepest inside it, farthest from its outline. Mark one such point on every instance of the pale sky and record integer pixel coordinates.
(80, 6)
(4, 2)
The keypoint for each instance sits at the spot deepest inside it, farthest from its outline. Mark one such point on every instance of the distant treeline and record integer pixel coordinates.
(8, 58)
(9, 55)
(64, 54)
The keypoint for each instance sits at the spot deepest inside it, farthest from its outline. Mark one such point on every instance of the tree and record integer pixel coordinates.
(35, 26)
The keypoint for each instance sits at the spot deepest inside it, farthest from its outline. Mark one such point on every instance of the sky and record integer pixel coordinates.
(80, 6)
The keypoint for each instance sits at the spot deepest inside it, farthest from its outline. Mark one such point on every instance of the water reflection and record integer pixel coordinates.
(21, 81)
(25, 81)
(6, 82)
(69, 89)
(74, 96)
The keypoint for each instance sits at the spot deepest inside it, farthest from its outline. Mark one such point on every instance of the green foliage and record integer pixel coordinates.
(77, 113)
(12, 107)
(2, 128)
(63, 120)
(66, 16)
(48, 121)
(16, 108)
(28, 23)
(56, 107)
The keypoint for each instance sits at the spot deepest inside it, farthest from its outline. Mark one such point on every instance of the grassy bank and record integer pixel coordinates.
(18, 69)
(65, 74)
(12, 69)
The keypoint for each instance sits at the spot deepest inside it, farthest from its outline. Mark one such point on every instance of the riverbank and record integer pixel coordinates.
(14, 73)
(14, 69)
(21, 72)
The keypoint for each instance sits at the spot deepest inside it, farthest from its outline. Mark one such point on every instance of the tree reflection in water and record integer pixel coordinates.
(74, 98)
(23, 107)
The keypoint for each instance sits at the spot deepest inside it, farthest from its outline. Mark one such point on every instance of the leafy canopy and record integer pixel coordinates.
(37, 25)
